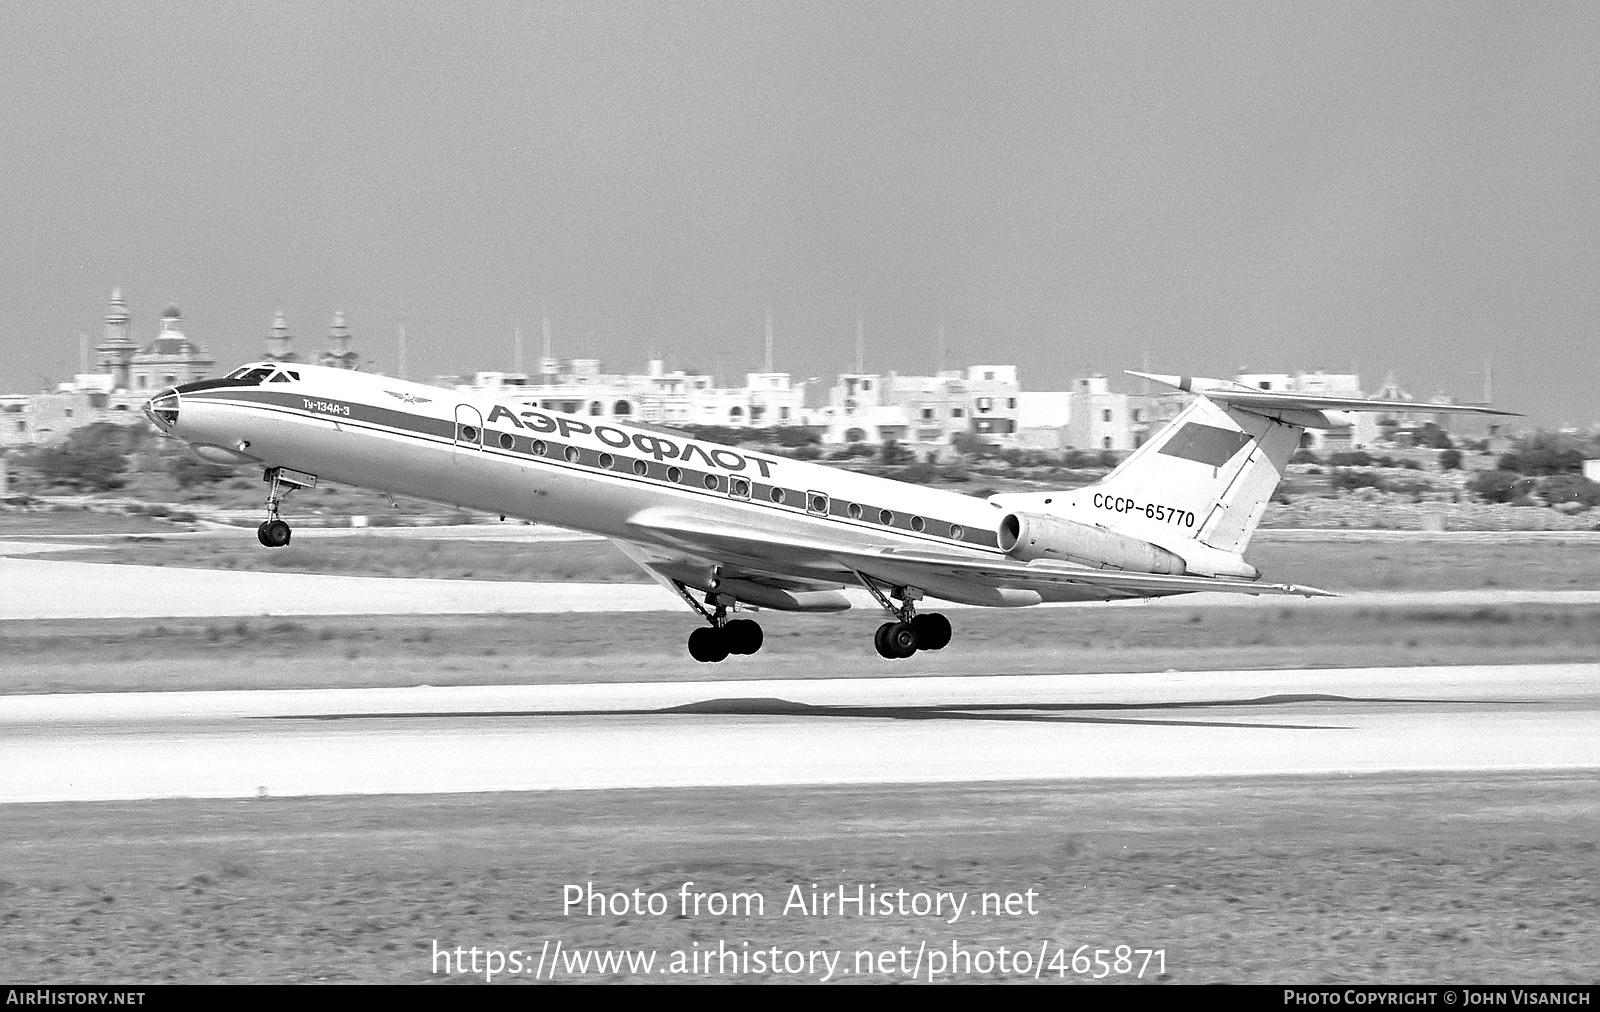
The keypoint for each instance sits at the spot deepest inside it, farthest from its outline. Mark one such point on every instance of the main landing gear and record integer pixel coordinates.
(710, 644)
(724, 636)
(274, 531)
(909, 632)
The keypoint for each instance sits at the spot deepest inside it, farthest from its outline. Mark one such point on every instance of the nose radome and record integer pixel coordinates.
(162, 409)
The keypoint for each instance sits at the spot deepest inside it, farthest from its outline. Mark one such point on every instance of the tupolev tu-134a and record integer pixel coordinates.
(727, 529)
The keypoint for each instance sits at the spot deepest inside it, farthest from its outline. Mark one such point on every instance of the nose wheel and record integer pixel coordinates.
(274, 531)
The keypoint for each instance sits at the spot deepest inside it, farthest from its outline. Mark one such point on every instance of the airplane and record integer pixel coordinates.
(729, 530)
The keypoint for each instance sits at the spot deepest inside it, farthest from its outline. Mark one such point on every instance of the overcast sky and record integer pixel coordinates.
(1397, 186)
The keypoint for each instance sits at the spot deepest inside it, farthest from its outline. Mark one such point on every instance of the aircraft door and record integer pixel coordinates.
(469, 428)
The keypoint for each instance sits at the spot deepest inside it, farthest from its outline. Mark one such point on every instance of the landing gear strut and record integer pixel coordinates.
(724, 636)
(909, 632)
(274, 531)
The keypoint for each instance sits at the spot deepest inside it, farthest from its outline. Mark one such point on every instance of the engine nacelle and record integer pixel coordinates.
(1029, 536)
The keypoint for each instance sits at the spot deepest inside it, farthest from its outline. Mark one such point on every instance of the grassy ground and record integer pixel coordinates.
(77, 523)
(1388, 878)
(375, 555)
(1338, 563)
(135, 655)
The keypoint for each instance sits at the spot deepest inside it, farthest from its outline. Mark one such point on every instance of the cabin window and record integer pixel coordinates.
(641, 468)
(539, 448)
(817, 503)
(711, 481)
(777, 496)
(956, 532)
(854, 511)
(739, 487)
(572, 454)
(469, 434)
(507, 440)
(917, 524)
(886, 517)
(674, 474)
(607, 460)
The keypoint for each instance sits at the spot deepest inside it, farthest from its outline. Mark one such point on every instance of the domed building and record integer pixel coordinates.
(171, 358)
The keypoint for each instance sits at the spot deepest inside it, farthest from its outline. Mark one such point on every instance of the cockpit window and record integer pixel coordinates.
(279, 377)
(247, 376)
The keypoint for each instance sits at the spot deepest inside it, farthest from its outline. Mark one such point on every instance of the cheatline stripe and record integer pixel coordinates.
(524, 447)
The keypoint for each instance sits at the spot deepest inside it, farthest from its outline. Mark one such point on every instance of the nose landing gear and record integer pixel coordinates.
(274, 531)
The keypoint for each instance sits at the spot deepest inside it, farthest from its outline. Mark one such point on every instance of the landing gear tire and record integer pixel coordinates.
(895, 640)
(273, 533)
(879, 641)
(742, 636)
(708, 645)
(933, 631)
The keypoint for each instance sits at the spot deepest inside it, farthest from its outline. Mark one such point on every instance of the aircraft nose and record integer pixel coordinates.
(162, 410)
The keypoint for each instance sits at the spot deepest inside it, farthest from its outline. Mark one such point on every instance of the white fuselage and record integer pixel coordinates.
(583, 473)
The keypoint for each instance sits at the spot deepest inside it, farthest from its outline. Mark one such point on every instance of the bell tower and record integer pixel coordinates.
(340, 355)
(114, 354)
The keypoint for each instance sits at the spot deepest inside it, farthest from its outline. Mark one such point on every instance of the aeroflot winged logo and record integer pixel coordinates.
(409, 398)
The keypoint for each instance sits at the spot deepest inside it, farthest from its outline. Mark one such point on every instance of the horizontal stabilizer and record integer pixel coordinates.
(1250, 398)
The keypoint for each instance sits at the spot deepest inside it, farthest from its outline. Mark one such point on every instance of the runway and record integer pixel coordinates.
(1330, 722)
(47, 589)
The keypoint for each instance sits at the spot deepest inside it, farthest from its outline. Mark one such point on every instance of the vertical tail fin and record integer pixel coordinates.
(1199, 487)
(1218, 466)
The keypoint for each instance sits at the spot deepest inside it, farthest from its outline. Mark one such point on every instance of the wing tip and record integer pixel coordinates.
(1309, 592)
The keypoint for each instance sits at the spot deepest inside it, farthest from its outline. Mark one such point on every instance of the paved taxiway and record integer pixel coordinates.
(885, 730)
(47, 589)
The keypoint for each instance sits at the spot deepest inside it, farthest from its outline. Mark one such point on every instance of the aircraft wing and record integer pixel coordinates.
(931, 568)
(1047, 574)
